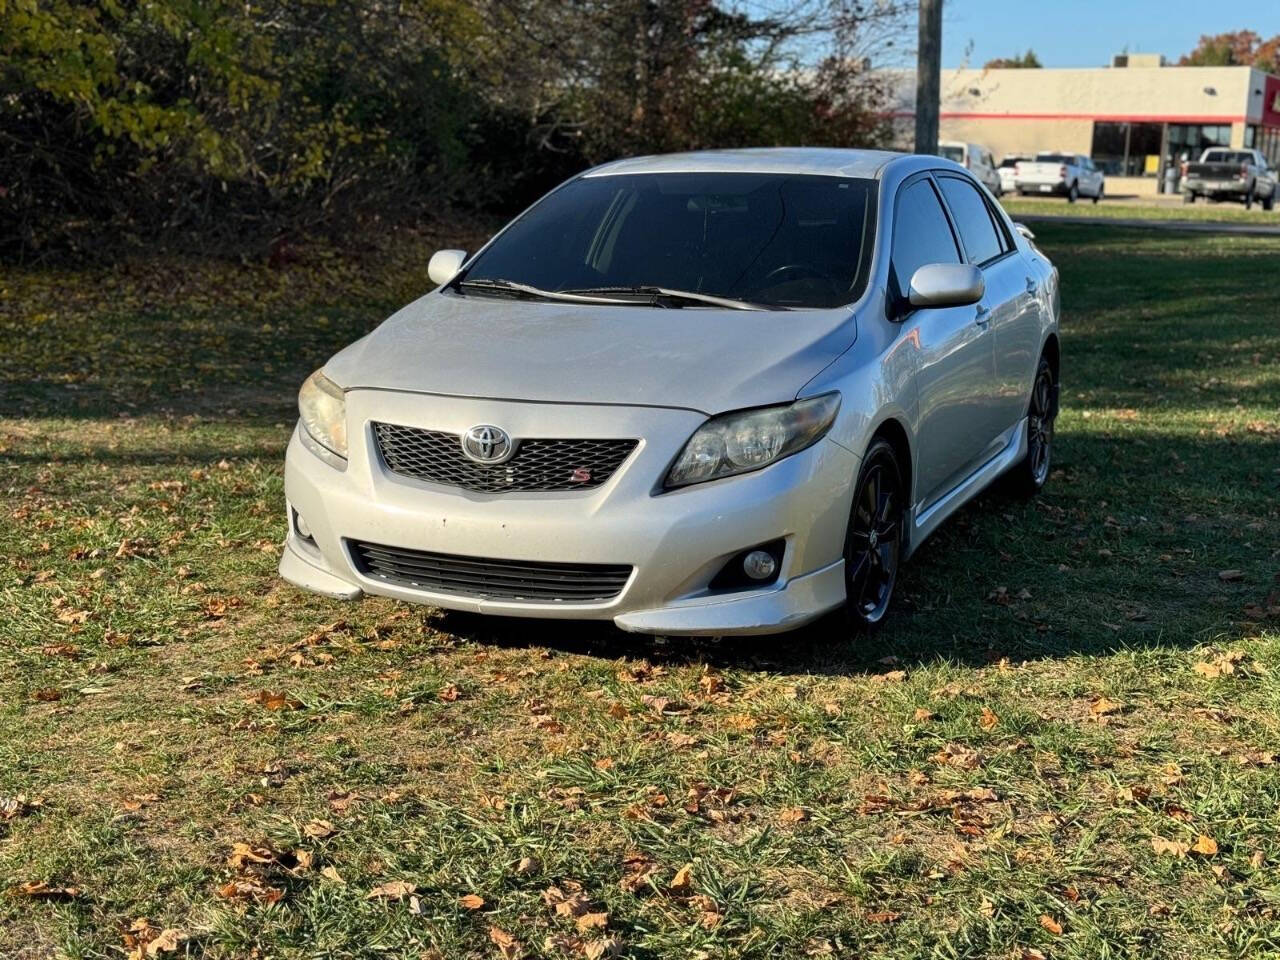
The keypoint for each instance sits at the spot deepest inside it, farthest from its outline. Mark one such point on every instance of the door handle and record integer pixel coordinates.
(982, 315)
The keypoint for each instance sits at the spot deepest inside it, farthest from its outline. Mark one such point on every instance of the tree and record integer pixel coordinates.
(1026, 61)
(1235, 48)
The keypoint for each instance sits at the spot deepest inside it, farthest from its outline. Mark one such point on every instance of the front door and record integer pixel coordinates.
(955, 375)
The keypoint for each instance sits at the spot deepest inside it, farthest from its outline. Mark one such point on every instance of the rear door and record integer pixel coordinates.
(955, 375)
(1013, 312)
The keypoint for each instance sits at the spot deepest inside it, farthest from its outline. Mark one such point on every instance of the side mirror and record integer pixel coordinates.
(946, 285)
(444, 265)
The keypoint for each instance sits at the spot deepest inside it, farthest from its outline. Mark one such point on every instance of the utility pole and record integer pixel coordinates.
(928, 76)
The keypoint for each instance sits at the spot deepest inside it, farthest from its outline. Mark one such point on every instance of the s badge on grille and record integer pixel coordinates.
(485, 443)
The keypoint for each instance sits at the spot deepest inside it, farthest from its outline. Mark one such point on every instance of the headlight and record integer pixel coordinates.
(324, 413)
(741, 442)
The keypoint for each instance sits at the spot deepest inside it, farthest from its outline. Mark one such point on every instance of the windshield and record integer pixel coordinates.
(778, 240)
(951, 153)
(1227, 156)
(1054, 158)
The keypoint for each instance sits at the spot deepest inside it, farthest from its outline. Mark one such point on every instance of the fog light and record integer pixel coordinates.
(304, 531)
(759, 565)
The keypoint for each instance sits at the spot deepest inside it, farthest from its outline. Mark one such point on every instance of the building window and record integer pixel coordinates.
(1265, 139)
(1188, 140)
(1127, 149)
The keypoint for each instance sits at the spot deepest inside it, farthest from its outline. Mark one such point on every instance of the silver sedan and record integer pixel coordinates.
(710, 393)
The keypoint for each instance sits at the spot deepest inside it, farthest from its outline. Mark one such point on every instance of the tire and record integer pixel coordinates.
(1098, 196)
(1073, 194)
(1248, 200)
(1188, 197)
(1270, 203)
(874, 537)
(1028, 476)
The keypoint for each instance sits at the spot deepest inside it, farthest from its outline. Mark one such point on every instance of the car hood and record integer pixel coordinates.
(705, 359)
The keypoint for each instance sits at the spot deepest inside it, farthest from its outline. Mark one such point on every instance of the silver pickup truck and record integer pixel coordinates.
(1229, 174)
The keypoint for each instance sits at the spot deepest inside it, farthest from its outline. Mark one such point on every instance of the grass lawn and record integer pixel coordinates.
(1202, 211)
(1066, 742)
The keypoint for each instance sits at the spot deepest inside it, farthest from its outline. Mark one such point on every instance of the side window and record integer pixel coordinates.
(973, 220)
(921, 233)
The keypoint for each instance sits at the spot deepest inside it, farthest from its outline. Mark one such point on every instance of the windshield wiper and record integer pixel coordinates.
(688, 296)
(499, 285)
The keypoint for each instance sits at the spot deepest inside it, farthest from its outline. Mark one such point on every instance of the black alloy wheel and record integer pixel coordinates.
(873, 544)
(1040, 425)
(1031, 472)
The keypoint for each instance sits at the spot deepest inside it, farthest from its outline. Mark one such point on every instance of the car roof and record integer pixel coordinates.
(813, 161)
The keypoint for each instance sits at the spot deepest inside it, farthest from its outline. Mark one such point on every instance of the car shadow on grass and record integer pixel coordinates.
(1122, 551)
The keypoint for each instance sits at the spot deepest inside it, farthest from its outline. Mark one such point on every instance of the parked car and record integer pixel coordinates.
(1222, 174)
(604, 413)
(1069, 175)
(976, 159)
(1007, 172)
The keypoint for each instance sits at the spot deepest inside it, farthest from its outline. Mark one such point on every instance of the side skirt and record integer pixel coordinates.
(924, 522)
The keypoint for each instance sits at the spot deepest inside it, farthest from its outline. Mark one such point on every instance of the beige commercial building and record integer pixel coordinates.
(1132, 118)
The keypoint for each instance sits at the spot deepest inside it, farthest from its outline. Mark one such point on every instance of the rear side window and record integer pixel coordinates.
(921, 233)
(977, 230)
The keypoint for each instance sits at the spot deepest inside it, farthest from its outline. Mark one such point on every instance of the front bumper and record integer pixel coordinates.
(676, 541)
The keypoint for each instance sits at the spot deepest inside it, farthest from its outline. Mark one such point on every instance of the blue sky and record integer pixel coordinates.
(1085, 33)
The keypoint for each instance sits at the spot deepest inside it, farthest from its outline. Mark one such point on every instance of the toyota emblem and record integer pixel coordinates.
(488, 444)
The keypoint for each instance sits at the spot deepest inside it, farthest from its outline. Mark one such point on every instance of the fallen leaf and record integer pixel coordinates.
(528, 865)
(1102, 707)
(276, 701)
(250, 889)
(1172, 848)
(1205, 846)
(508, 946)
(169, 941)
(449, 694)
(592, 921)
(331, 873)
(602, 948)
(794, 815)
(471, 902)
(681, 884)
(392, 890)
(988, 720)
(318, 829)
(40, 890)
(924, 716)
(884, 916)
(1050, 924)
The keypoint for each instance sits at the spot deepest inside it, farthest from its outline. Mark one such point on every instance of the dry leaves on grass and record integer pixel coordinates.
(989, 720)
(11, 808)
(392, 890)
(1050, 924)
(1102, 709)
(146, 940)
(509, 948)
(638, 872)
(958, 755)
(1204, 845)
(1223, 665)
(273, 701)
(41, 890)
(471, 901)
(318, 829)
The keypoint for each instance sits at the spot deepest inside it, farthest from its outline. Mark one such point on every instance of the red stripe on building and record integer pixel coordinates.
(1101, 117)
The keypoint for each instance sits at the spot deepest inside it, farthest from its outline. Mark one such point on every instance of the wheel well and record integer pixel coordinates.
(896, 435)
(1053, 356)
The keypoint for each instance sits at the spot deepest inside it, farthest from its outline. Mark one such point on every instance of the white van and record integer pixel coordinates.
(976, 158)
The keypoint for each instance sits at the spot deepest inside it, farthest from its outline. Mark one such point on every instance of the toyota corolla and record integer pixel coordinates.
(710, 393)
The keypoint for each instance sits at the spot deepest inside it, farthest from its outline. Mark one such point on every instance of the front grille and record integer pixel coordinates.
(538, 464)
(490, 579)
